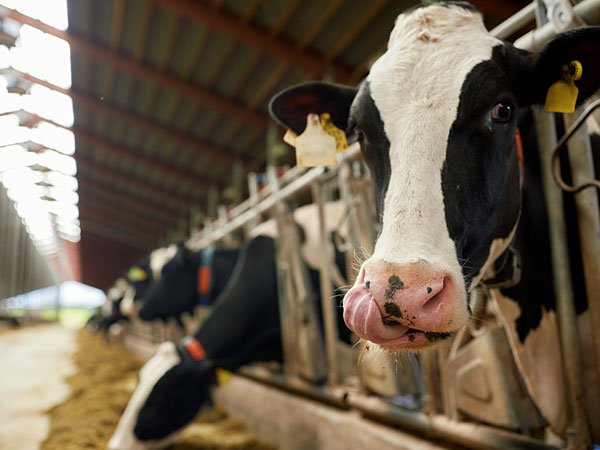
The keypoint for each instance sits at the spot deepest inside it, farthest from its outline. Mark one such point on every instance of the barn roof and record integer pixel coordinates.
(170, 94)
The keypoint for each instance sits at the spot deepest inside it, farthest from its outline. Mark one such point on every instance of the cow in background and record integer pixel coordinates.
(436, 120)
(243, 327)
(184, 279)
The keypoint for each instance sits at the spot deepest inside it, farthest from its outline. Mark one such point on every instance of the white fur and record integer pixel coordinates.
(160, 257)
(123, 438)
(416, 86)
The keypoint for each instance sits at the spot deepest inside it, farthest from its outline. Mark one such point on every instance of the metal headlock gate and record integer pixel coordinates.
(22, 267)
(421, 393)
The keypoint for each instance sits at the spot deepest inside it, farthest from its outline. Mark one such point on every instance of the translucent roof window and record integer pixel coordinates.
(36, 156)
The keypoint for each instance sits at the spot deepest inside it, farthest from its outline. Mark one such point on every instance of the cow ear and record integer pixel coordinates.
(291, 106)
(546, 68)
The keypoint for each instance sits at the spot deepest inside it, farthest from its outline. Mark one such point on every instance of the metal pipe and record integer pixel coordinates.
(514, 23)
(588, 221)
(588, 10)
(578, 436)
(319, 194)
(470, 435)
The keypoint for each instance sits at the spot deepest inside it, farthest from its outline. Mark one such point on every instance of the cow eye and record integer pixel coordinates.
(502, 112)
(354, 132)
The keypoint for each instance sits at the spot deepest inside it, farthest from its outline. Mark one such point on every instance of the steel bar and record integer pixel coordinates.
(470, 435)
(588, 10)
(319, 195)
(299, 184)
(514, 23)
(577, 433)
(588, 220)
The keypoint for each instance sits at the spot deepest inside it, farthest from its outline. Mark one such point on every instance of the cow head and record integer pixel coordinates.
(173, 291)
(436, 122)
(171, 390)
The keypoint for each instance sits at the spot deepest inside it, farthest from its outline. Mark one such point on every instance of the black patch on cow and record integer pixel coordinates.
(395, 284)
(392, 309)
(365, 123)
(174, 400)
(433, 336)
(481, 159)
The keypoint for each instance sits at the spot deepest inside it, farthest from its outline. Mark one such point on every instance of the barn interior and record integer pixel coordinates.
(151, 128)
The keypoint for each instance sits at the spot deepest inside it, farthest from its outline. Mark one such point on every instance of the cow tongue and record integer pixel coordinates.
(362, 316)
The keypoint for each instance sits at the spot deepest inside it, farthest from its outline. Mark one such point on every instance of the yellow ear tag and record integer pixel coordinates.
(341, 143)
(223, 376)
(562, 95)
(314, 147)
(136, 273)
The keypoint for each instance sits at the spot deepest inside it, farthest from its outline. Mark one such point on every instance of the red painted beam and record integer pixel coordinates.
(133, 118)
(107, 175)
(203, 97)
(254, 36)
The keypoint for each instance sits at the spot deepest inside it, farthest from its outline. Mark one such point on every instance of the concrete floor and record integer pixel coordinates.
(34, 362)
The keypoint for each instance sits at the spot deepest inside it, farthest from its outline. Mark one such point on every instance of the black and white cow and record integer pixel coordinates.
(243, 327)
(185, 279)
(436, 119)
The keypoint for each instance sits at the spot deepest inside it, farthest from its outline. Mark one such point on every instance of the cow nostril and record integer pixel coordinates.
(436, 295)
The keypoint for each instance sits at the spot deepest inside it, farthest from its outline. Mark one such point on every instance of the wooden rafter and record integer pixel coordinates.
(192, 91)
(252, 35)
(114, 220)
(106, 175)
(147, 125)
(132, 203)
(120, 213)
(116, 234)
(113, 191)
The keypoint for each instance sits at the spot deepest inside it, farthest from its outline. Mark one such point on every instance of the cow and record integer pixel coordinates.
(436, 120)
(243, 327)
(185, 279)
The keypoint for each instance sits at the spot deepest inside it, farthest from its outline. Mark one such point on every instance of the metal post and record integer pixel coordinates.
(588, 220)
(578, 436)
(319, 194)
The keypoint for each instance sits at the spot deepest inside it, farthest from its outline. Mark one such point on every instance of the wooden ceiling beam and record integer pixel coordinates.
(108, 175)
(116, 192)
(130, 117)
(116, 235)
(114, 218)
(132, 203)
(203, 97)
(114, 148)
(253, 35)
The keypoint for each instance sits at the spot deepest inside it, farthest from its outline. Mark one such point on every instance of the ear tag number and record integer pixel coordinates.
(562, 95)
(314, 147)
(341, 143)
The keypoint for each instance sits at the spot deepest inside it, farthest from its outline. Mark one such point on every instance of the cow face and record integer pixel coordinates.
(435, 120)
(170, 392)
(174, 290)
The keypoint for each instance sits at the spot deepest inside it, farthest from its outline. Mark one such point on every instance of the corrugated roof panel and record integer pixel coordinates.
(183, 115)
(133, 17)
(102, 20)
(80, 16)
(255, 83)
(162, 25)
(243, 60)
(204, 121)
(185, 45)
(306, 15)
(214, 51)
(122, 90)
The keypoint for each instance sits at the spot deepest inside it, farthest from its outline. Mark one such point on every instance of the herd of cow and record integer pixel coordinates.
(437, 120)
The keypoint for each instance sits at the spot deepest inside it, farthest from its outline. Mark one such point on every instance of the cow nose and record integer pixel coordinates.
(408, 303)
(390, 302)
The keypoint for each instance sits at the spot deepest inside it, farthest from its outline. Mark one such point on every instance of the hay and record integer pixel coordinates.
(101, 388)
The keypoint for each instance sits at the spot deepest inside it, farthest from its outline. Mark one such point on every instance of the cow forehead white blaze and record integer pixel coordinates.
(416, 86)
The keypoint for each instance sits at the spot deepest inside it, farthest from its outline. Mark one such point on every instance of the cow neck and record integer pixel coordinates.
(205, 276)
(507, 267)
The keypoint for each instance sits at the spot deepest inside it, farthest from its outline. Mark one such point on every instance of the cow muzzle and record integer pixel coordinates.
(409, 306)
